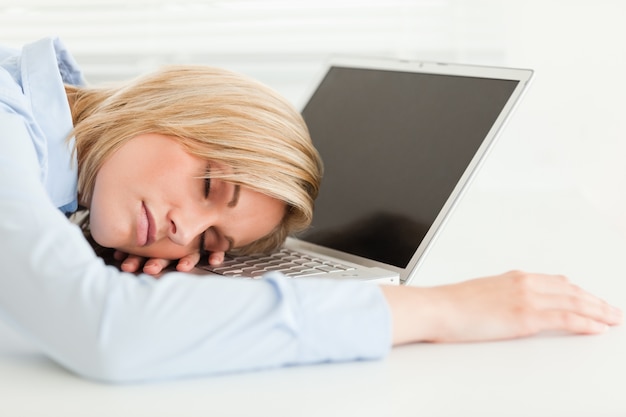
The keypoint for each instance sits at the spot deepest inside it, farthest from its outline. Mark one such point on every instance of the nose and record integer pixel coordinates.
(185, 225)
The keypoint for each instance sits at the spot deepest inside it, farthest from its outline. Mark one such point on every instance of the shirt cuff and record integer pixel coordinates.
(337, 320)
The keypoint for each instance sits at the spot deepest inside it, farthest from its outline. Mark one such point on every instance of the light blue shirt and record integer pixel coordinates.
(113, 326)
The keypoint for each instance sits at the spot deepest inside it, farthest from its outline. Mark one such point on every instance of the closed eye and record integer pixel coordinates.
(207, 182)
(207, 187)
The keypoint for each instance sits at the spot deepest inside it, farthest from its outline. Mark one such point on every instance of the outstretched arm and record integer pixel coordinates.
(511, 305)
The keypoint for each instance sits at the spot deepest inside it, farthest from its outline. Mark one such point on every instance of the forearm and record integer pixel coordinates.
(412, 312)
(511, 305)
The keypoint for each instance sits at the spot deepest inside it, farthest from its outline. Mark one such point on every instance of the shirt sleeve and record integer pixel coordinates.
(118, 327)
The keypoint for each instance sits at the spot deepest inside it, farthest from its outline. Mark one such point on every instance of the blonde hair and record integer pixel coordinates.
(216, 115)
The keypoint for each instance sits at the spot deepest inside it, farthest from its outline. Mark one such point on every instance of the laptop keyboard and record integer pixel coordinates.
(289, 262)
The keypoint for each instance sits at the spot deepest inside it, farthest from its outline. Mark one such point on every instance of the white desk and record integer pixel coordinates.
(550, 375)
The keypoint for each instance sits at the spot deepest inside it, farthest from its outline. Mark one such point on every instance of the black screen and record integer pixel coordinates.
(394, 146)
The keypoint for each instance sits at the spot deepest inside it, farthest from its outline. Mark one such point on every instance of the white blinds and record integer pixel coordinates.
(280, 42)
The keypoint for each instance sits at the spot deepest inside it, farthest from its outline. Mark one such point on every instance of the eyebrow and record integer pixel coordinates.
(233, 202)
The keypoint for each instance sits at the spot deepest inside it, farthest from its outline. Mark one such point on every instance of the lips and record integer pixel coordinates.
(146, 230)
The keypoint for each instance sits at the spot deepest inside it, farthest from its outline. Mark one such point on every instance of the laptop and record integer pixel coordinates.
(400, 141)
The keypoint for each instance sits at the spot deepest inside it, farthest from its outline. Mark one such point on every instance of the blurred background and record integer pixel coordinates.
(569, 132)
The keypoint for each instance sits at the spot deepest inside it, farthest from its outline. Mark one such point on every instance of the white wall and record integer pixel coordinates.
(571, 128)
(569, 131)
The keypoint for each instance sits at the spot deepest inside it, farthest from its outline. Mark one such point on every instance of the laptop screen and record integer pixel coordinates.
(394, 146)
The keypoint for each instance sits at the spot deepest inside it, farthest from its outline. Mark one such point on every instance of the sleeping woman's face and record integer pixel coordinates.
(151, 199)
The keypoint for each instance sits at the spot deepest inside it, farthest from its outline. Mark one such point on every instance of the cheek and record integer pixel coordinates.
(108, 226)
(103, 229)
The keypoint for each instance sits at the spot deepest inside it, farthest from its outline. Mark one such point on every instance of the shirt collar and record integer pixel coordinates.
(45, 66)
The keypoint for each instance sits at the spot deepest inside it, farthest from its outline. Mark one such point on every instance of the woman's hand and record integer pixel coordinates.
(511, 305)
(154, 266)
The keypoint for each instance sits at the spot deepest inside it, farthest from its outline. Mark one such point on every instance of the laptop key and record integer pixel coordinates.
(288, 262)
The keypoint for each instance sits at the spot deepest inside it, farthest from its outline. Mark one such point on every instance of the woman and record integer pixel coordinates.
(191, 161)
(189, 139)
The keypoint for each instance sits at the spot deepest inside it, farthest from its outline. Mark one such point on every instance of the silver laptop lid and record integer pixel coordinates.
(400, 141)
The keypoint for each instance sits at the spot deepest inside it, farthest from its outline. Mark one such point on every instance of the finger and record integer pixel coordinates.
(581, 303)
(187, 263)
(216, 258)
(601, 310)
(569, 322)
(132, 263)
(155, 266)
(558, 285)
